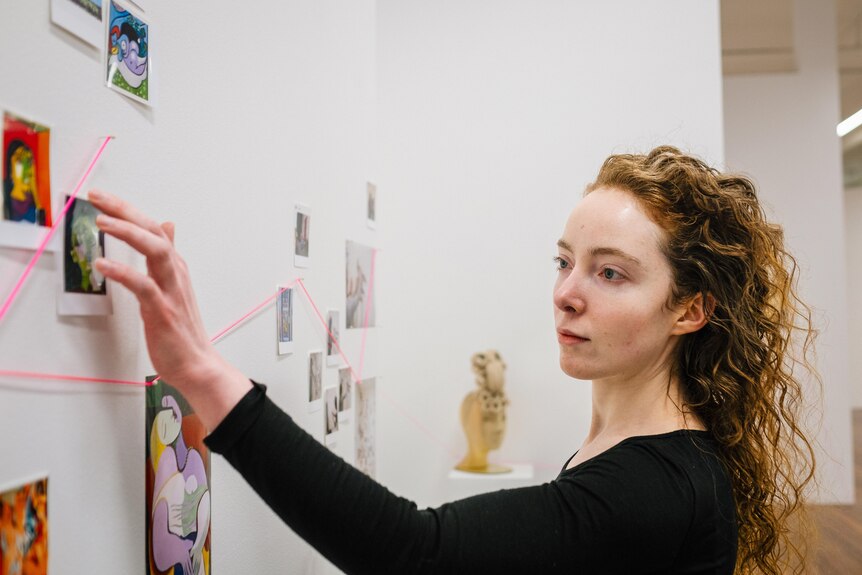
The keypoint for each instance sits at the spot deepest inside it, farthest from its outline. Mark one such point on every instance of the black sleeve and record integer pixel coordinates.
(595, 521)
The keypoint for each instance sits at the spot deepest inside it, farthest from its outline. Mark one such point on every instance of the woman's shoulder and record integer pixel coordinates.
(686, 460)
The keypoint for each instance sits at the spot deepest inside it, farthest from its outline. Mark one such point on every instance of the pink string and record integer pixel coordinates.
(254, 310)
(41, 249)
(59, 377)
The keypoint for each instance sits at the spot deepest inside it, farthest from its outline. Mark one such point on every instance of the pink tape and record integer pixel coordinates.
(59, 377)
(41, 249)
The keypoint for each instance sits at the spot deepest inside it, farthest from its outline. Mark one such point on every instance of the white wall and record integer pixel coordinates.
(492, 118)
(259, 107)
(780, 129)
(853, 229)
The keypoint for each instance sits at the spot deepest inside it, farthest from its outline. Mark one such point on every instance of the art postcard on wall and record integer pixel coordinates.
(127, 52)
(315, 381)
(284, 320)
(333, 357)
(177, 485)
(365, 427)
(371, 216)
(301, 236)
(26, 171)
(84, 291)
(83, 18)
(24, 528)
(345, 394)
(330, 416)
(360, 286)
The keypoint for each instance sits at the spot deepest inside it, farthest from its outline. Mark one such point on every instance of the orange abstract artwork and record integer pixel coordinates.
(24, 529)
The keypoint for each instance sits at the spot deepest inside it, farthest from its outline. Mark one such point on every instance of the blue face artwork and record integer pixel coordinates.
(129, 51)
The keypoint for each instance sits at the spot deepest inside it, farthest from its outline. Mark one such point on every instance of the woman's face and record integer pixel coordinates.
(612, 291)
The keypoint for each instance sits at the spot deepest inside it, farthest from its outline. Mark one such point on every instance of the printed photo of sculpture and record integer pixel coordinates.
(83, 243)
(345, 389)
(24, 529)
(330, 412)
(315, 376)
(128, 48)
(365, 435)
(177, 485)
(360, 286)
(26, 181)
(301, 234)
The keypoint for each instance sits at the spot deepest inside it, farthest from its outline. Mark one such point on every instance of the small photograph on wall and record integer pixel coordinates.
(345, 394)
(315, 381)
(330, 415)
(83, 18)
(333, 357)
(24, 528)
(127, 53)
(371, 192)
(360, 286)
(301, 237)
(365, 426)
(25, 202)
(84, 290)
(177, 484)
(284, 317)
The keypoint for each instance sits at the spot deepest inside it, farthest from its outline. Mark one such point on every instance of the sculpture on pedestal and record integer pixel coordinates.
(483, 414)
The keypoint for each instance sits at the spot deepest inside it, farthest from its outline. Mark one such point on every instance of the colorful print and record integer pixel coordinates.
(83, 243)
(284, 310)
(178, 480)
(24, 529)
(26, 175)
(92, 7)
(128, 52)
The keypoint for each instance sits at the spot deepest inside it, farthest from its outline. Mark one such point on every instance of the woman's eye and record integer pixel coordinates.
(611, 274)
(561, 263)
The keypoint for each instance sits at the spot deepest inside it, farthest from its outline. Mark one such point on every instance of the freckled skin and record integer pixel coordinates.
(618, 305)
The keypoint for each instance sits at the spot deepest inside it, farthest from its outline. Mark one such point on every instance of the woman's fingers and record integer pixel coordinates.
(142, 286)
(117, 208)
(158, 250)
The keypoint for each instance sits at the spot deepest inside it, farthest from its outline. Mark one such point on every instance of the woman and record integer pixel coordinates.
(674, 296)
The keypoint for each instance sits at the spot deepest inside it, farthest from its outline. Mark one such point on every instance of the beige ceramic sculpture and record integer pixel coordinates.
(483, 414)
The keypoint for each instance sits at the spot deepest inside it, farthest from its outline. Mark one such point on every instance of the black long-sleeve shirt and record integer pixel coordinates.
(650, 504)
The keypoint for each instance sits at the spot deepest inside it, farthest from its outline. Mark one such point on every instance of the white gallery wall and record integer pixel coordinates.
(258, 107)
(493, 116)
(780, 130)
(853, 230)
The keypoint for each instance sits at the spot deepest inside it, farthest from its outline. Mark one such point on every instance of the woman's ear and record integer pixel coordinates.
(694, 313)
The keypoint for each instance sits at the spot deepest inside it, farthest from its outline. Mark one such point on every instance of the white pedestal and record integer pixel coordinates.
(464, 484)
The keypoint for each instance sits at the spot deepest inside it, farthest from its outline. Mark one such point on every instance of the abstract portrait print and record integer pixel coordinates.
(128, 52)
(24, 529)
(83, 243)
(178, 480)
(26, 181)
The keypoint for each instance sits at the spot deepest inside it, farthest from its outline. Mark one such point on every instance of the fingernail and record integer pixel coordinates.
(96, 195)
(104, 221)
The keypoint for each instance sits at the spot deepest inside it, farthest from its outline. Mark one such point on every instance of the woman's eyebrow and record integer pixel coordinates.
(601, 251)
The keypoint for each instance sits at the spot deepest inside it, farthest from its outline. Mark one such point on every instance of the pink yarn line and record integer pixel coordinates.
(254, 310)
(41, 249)
(59, 377)
(326, 328)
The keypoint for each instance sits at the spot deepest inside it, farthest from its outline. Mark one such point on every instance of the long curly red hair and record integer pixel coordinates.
(737, 373)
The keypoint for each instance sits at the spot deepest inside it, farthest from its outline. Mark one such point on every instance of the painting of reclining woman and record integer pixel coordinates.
(178, 480)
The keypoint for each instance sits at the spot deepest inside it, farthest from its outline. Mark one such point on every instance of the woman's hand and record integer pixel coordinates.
(176, 339)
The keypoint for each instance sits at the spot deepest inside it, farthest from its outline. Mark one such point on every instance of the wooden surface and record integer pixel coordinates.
(839, 541)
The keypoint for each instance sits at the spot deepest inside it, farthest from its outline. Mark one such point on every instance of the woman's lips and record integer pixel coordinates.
(568, 338)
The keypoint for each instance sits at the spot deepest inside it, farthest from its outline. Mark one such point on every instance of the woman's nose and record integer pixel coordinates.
(568, 294)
